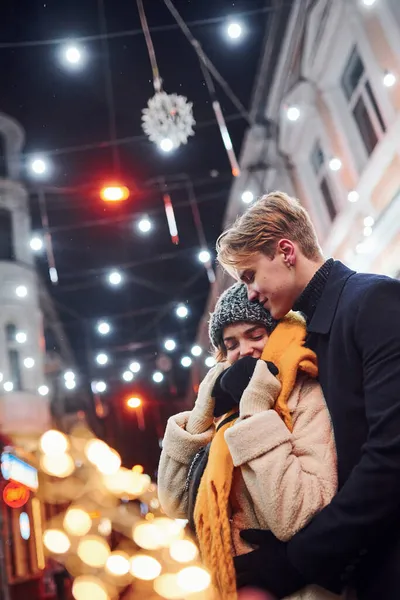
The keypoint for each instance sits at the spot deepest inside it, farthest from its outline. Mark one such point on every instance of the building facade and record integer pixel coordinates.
(326, 129)
(30, 397)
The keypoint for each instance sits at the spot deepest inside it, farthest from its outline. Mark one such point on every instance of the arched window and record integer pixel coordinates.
(6, 236)
(14, 362)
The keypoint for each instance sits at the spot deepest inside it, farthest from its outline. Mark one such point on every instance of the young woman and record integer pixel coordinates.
(257, 450)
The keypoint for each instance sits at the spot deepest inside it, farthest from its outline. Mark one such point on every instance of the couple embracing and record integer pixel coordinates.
(288, 466)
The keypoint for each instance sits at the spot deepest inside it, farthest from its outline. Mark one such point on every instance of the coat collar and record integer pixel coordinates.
(326, 308)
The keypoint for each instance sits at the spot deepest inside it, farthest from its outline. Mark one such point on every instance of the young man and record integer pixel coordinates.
(353, 324)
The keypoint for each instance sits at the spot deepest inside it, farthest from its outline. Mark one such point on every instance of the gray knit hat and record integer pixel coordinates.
(233, 306)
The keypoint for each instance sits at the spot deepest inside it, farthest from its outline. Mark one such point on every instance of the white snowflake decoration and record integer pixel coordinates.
(168, 116)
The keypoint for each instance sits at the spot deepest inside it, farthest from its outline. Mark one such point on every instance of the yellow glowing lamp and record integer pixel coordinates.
(134, 402)
(114, 193)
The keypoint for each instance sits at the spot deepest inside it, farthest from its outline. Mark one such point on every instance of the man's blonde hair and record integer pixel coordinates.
(273, 217)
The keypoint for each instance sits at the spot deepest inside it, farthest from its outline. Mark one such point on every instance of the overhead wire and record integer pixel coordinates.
(130, 32)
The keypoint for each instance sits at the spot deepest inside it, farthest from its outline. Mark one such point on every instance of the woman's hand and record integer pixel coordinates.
(238, 376)
(202, 416)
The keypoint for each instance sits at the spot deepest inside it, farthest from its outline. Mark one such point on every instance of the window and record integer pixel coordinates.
(6, 236)
(3, 157)
(14, 362)
(362, 102)
(319, 167)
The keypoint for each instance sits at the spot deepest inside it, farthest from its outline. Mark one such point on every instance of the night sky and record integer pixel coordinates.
(62, 111)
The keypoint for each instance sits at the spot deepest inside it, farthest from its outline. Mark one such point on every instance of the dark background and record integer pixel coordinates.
(62, 111)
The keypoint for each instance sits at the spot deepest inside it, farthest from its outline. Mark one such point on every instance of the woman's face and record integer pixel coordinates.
(244, 339)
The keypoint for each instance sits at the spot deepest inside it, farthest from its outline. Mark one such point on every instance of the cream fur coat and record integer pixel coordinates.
(282, 479)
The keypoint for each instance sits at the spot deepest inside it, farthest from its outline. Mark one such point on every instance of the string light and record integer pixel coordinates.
(127, 376)
(36, 244)
(70, 384)
(389, 79)
(21, 291)
(43, 390)
(99, 387)
(144, 225)
(181, 311)
(115, 278)
(102, 359)
(196, 350)
(293, 113)
(369, 221)
(54, 442)
(247, 197)
(204, 256)
(234, 31)
(170, 345)
(166, 145)
(353, 196)
(39, 166)
(56, 541)
(186, 361)
(103, 328)
(210, 362)
(29, 363)
(158, 377)
(21, 337)
(335, 164)
(134, 367)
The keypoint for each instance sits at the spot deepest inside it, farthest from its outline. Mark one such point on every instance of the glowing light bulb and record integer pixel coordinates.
(234, 31)
(115, 278)
(77, 522)
(186, 361)
(54, 442)
(103, 328)
(21, 337)
(181, 311)
(204, 256)
(118, 564)
(335, 164)
(389, 79)
(210, 362)
(196, 350)
(87, 586)
(144, 225)
(166, 145)
(170, 345)
(134, 367)
(36, 244)
(29, 363)
(293, 113)
(56, 541)
(193, 579)
(93, 551)
(183, 551)
(58, 465)
(21, 291)
(145, 567)
(102, 359)
(247, 197)
(353, 196)
(127, 375)
(43, 390)
(158, 377)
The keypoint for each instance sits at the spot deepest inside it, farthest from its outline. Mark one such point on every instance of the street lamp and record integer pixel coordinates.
(114, 193)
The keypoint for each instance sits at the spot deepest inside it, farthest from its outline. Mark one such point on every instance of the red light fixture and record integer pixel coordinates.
(15, 494)
(114, 193)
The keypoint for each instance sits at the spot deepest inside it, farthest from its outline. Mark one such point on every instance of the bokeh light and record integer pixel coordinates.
(93, 551)
(167, 586)
(58, 465)
(183, 551)
(77, 522)
(118, 564)
(193, 579)
(56, 541)
(54, 442)
(145, 567)
(87, 587)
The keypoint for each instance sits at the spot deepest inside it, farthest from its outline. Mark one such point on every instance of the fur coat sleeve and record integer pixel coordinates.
(179, 449)
(290, 476)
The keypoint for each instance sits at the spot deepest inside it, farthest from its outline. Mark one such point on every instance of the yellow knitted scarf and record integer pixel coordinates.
(285, 348)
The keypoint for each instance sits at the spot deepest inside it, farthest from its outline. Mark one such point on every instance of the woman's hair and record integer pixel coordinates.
(271, 218)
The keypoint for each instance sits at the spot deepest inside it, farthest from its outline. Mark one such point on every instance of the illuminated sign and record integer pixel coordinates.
(15, 469)
(24, 526)
(15, 495)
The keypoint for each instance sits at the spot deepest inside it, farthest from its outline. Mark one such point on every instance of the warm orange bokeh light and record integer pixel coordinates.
(114, 193)
(134, 402)
(138, 469)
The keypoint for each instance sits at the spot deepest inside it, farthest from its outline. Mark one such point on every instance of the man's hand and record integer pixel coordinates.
(236, 379)
(268, 567)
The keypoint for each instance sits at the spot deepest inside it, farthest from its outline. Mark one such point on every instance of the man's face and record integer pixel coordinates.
(270, 282)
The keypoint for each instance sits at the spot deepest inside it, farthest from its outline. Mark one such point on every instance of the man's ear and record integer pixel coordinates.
(287, 250)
